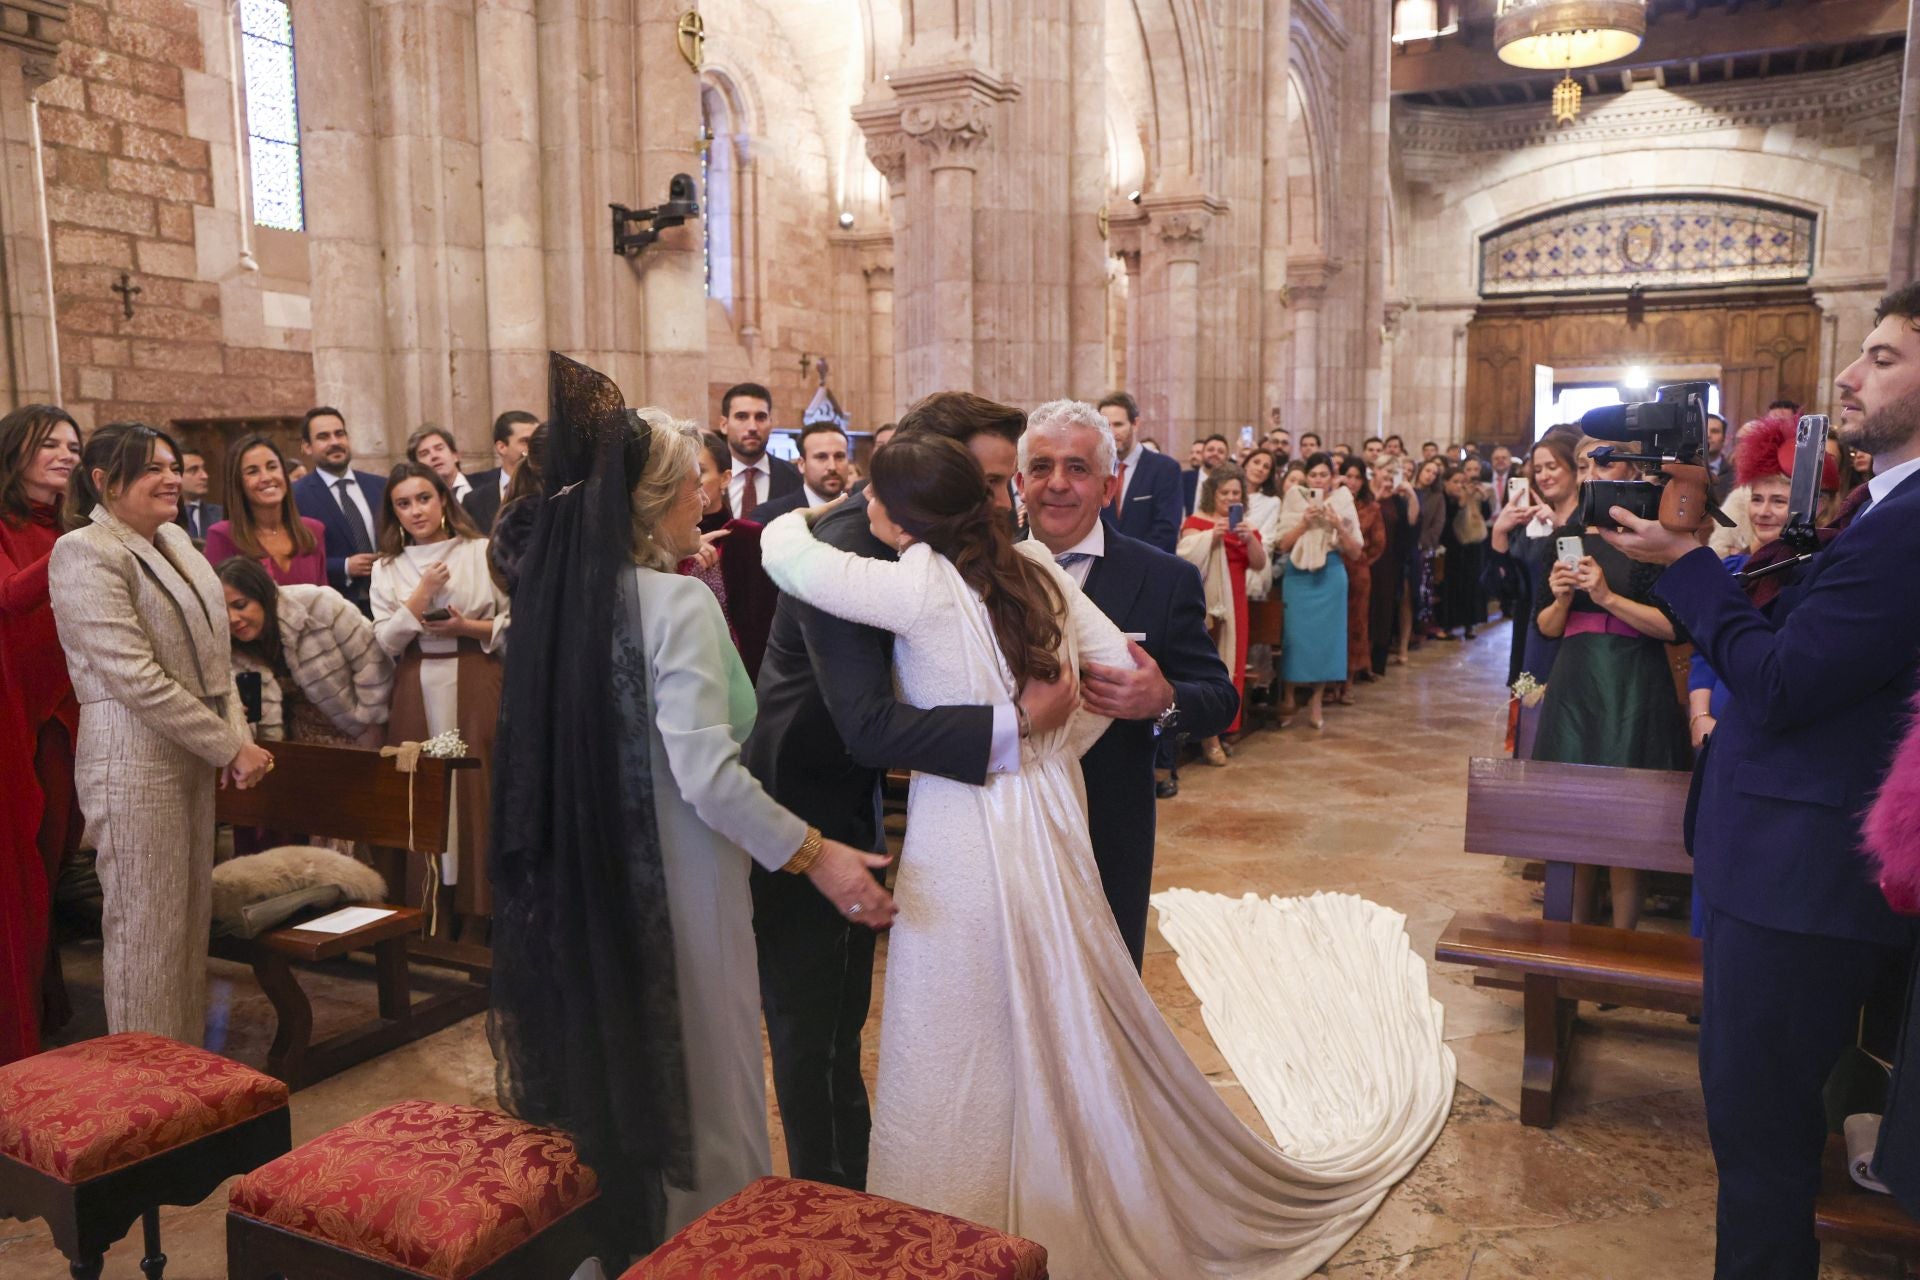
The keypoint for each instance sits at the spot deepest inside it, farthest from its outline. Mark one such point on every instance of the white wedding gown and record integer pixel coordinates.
(1028, 1082)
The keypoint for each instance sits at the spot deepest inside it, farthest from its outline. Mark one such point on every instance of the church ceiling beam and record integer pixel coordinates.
(1707, 33)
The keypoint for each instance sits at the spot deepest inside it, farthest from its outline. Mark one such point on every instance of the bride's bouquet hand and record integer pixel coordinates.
(844, 876)
(1050, 705)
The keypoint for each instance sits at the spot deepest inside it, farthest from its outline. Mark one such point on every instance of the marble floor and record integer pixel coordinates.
(1621, 1187)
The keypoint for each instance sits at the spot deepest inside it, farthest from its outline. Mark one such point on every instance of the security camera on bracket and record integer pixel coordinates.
(635, 229)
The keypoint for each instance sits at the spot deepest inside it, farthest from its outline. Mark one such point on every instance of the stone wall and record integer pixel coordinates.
(142, 177)
(1823, 142)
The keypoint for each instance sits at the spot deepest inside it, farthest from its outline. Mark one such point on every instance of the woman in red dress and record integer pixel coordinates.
(1223, 555)
(39, 819)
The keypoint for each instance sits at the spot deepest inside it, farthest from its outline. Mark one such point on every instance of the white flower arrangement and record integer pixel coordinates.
(445, 746)
(1528, 690)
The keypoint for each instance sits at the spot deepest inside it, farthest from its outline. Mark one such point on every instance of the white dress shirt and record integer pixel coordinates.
(354, 495)
(1093, 546)
(737, 482)
(460, 487)
(1881, 487)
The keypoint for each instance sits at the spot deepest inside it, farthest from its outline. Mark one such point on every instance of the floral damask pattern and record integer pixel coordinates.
(786, 1229)
(439, 1189)
(100, 1105)
(1650, 242)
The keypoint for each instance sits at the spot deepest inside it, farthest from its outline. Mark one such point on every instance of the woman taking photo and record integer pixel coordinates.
(139, 614)
(262, 523)
(1520, 551)
(626, 1002)
(322, 677)
(1360, 571)
(439, 616)
(1319, 528)
(39, 823)
(1611, 700)
(1219, 542)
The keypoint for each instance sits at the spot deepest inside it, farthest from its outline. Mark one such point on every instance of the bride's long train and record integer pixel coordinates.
(1321, 1007)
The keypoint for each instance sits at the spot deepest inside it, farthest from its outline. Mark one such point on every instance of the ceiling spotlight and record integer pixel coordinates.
(846, 220)
(1636, 379)
(1134, 196)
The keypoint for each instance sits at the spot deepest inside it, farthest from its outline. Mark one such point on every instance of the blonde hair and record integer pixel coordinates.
(671, 458)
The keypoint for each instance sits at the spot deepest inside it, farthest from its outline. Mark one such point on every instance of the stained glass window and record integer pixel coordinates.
(1650, 241)
(273, 114)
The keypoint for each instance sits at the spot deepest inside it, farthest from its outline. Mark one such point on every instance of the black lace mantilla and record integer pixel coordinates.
(585, 1021)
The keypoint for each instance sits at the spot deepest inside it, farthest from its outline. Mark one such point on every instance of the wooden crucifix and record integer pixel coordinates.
(126, 289)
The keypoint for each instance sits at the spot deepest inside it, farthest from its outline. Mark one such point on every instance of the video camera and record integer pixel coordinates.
(1671, 432)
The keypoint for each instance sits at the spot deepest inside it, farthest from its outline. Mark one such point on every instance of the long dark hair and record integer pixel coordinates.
(240, 518)
(120, 450)
(22, 433)
(934, 489)
(1354, 463)
(393, 536)
(251, 580)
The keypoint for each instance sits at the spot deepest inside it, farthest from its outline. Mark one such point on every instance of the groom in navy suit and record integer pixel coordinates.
(1796, 929)
(1177, 681)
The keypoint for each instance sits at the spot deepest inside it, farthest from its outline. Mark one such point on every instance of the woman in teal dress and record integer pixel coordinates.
(1318, 525)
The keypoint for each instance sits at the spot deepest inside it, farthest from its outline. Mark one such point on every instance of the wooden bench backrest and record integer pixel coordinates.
(1549, 812)
(350, 793)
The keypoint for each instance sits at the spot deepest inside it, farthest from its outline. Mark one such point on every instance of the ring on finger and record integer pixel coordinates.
(854, 908)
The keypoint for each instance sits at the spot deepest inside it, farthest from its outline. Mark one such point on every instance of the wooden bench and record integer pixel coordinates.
(1565, 815)
(1848, 1214)
(1560, 964)
(349, 793)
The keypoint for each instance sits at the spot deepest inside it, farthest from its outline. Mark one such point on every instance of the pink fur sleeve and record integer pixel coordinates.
(1892, 829)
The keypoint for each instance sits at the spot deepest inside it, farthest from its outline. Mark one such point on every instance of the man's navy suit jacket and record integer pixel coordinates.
(1152, 507)
(1820, 696)
(314, 498)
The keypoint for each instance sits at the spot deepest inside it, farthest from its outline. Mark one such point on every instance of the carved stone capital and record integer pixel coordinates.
(1307, 279)
(948, 110)
(1180, 222)
(35, 27)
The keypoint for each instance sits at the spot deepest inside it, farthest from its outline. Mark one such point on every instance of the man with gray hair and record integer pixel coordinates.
(1177, 682)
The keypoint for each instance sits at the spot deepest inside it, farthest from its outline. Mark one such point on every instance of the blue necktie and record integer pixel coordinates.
(1072, 559)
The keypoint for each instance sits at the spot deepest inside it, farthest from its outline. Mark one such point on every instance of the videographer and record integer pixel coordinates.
(1795, 929)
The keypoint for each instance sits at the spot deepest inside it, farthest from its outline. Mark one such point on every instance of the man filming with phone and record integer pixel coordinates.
(1795, 929)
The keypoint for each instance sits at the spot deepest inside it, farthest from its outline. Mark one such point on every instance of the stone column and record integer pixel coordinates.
(28, 41)
(344, 252)
(514, 253)
(1307, 280)
(1176, 229)
(1087, 278)
(887, 149)
(1904, 262)
(426, 123)
(1275, 224)
(666, 104)
(880, 406)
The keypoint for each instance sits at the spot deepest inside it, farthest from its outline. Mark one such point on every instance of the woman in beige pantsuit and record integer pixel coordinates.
(143, 623)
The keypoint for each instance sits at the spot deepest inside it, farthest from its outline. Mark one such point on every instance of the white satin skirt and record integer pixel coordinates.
(1028, 1082)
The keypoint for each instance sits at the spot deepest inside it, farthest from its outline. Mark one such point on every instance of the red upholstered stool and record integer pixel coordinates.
(789, 1228)
(416, 1189)
(102, 1132)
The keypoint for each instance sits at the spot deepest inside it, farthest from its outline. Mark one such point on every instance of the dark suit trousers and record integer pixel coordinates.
(1779, 1009)
(816, 982)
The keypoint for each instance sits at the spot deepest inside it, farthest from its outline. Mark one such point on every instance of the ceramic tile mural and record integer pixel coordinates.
(1659, 242)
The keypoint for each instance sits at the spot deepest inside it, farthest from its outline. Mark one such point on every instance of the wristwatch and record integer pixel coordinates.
(1167, 716)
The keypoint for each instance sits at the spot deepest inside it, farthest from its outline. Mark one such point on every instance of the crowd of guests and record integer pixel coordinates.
(1327, 566)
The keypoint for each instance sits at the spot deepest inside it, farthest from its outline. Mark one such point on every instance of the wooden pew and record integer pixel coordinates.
(1847, 1213)
(351, 794)
(1564, 814)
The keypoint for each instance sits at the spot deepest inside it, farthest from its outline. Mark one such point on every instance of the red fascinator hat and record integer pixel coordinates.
(1765, 448)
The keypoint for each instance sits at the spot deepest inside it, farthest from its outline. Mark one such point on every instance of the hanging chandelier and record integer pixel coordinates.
(1565, 34)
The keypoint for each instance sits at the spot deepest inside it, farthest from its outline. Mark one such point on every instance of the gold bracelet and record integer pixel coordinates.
(811, 850)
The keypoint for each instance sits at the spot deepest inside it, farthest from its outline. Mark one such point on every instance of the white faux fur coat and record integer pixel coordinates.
(330, 653)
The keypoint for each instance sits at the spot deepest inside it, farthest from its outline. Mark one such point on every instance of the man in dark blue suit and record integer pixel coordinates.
(346, 501)
(1177, 681)
(1795, 928)
(1147, 502)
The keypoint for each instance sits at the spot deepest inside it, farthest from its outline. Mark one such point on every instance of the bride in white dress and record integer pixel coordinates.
(1026, 1080)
